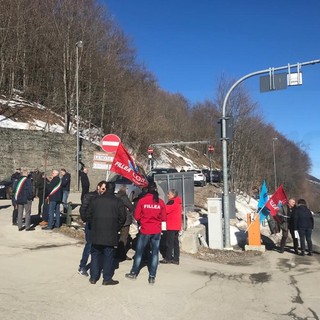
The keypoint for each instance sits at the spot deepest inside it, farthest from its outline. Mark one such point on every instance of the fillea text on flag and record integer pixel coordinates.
(124, 164)
(278, 199)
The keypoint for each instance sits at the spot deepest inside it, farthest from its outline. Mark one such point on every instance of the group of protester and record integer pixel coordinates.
(298, 220)
(108, 218)
(52, 191)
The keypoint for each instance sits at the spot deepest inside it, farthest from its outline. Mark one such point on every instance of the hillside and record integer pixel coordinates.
(18, 113)
(21, 115)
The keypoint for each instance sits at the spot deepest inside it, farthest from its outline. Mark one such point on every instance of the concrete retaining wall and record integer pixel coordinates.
(45, 150)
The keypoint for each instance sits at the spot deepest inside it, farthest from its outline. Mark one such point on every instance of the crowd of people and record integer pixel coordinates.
(298, 220)
(107, 217)
(52, 192)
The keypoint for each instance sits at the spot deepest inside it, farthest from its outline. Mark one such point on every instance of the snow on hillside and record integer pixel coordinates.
(18, 113)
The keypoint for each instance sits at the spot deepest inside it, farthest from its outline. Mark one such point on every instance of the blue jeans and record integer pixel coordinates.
(65, 195)
(143, 240)
(102, 257)
(54, 211)
(305, 234)
(86, 249)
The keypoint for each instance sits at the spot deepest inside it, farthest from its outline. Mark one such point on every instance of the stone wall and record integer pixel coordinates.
(46, 151)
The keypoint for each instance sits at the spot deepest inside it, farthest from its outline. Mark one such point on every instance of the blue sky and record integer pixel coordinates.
(188, 45)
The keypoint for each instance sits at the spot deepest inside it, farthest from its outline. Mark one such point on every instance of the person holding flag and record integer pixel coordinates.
(275, 204)
(285, 215)
(54, 198)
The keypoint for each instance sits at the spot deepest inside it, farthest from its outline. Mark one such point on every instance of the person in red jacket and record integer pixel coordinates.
(174, 221)
(150, 212)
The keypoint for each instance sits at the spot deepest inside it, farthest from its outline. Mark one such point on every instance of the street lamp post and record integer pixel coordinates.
(274, 163)
(79, 44)
(224, 138)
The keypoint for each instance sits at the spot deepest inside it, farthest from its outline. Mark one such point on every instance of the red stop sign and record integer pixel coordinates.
(110, 142)
(150, 150)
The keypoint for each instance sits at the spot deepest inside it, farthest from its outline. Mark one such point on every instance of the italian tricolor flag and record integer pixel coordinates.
(19, 187)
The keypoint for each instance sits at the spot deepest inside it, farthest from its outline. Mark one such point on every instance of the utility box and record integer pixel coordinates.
(215, 223)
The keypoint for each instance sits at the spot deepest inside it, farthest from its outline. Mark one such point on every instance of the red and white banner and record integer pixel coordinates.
(125, 165)
(278, 199)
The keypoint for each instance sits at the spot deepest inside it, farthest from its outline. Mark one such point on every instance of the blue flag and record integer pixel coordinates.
(263, 199)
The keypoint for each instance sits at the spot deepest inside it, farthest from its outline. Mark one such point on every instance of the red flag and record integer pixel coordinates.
(125, 165)
(278, 199)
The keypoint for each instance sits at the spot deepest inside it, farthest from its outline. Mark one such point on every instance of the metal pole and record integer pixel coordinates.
(274, 163)
(210, 173)
(79, 44)
(184, 204)
(224, 139)
(178, 143)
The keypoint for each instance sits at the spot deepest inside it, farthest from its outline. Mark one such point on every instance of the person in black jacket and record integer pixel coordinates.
(14, 178)
(304, 223)
(285, 216)
(65, 185)
(88, 197)
(54, 198)
(124, 231)
(23, 197)
(106, 215)
(85, 183)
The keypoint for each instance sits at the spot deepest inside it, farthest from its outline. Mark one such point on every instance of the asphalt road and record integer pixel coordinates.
(39, 280)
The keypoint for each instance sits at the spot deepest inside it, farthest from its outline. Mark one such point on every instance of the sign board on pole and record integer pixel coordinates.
(150, 150)
(110, 143)
(273, 82)
(294, 79)
(103, 157)
(101, 165)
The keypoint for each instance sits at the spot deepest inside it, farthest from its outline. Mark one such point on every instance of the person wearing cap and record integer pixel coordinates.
(149, 213)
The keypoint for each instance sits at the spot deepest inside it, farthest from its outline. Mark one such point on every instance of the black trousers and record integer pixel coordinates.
(173, 248)
(285, 233)
(305, 234)
(15, 215)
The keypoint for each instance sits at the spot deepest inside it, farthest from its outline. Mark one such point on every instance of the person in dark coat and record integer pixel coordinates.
(124, 231)
(36, 178)
(85, 183)
(23, 197)
(43, 206)
(14, 178)
(54, 198)
(107, 215)
(285, 216)
(304, 223)
(65, 185)
(87, 199)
